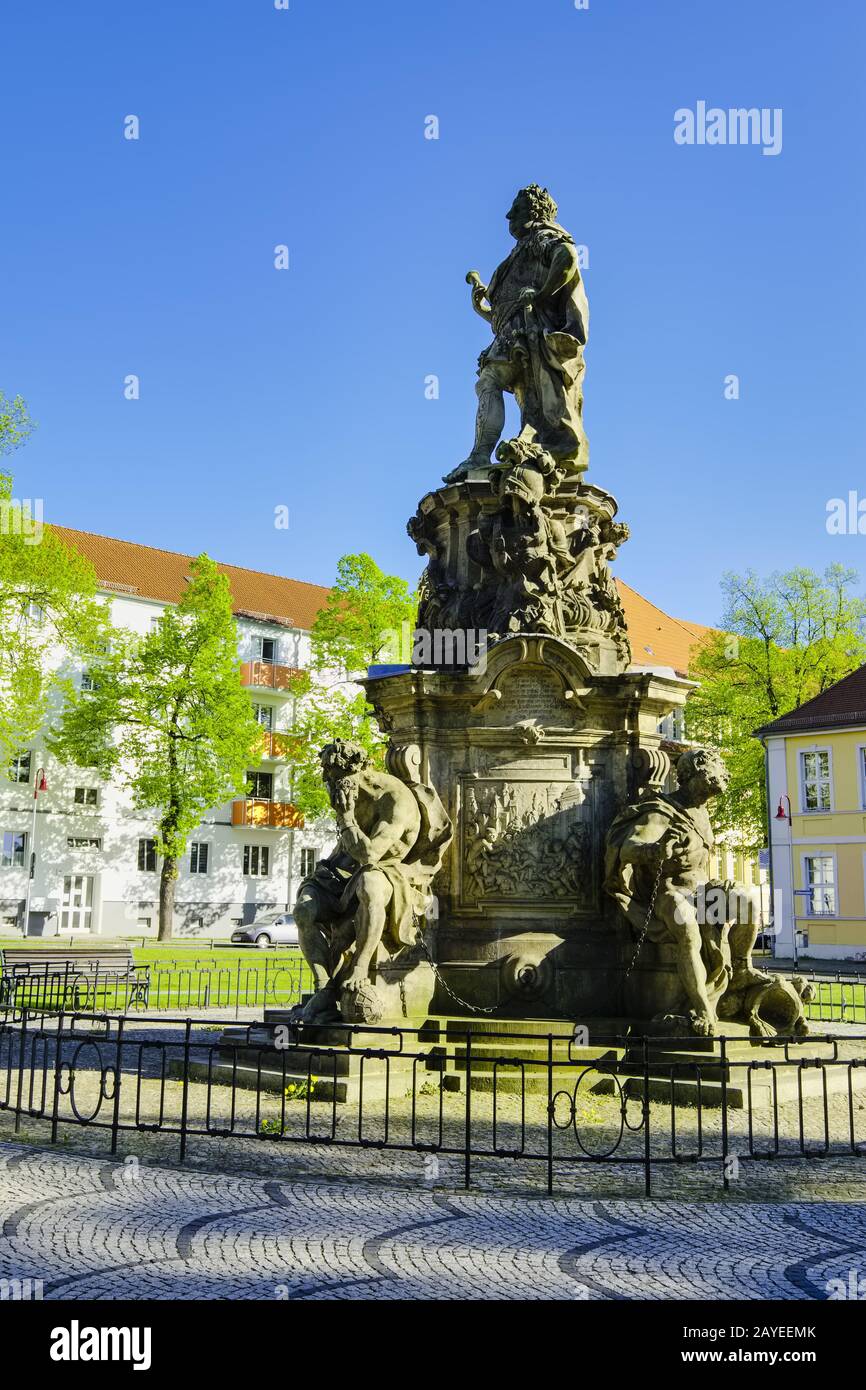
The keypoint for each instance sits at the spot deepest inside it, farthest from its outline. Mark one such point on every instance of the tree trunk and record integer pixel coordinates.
(167, 884)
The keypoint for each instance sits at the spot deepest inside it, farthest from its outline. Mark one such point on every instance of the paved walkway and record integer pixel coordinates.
(92, 1229)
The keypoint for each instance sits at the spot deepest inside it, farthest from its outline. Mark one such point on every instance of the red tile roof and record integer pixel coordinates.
(843, 703)
(125, 567)
(657, 639)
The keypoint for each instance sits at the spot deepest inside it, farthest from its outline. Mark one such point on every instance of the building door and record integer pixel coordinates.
(76, 908)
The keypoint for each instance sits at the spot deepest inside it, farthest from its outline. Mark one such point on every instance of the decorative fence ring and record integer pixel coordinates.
(86, 1119)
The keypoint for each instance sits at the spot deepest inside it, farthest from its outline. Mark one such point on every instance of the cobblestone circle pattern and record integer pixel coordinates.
(105, 1229)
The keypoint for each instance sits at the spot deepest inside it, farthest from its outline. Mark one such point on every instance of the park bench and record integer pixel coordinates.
(60, 977)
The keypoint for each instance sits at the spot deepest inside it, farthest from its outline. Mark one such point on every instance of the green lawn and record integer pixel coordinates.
(183, 977)
(838, 1001)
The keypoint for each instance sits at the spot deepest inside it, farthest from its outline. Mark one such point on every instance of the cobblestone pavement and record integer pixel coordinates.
(97, 1229)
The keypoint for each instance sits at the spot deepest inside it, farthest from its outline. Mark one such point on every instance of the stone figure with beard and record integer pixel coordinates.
(657, 868)
(369, 894)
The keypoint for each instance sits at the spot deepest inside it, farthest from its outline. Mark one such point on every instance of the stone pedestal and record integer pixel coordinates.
(533, 752)
(653, 986)
(499, 568)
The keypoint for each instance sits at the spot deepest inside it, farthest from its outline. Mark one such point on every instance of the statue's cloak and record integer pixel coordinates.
(563, 319)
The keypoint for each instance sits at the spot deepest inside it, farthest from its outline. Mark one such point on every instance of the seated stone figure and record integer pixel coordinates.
(370, 893)
(657, 869)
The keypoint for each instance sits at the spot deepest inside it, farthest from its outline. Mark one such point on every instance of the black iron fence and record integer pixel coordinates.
(838, 996)
(556, 1103)
(254, 981)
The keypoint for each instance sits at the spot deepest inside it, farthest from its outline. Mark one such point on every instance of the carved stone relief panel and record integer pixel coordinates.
(530, 841)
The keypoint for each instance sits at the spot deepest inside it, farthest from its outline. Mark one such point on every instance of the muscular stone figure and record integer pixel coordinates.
(657, 869)
(393, 831)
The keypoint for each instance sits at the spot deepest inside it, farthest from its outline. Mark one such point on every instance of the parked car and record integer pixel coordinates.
(272, 928)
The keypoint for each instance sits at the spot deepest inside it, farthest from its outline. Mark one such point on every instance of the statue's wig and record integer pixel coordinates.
(543, 207)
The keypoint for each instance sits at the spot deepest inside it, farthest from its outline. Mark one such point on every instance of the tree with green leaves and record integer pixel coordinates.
(168, 718)
(362, 620)
(15, 423)
(49, 609)
(362, 624)
(325, 713)
(785, 640)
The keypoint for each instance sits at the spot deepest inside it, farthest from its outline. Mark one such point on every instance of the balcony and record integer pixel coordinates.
(267, 675)
(266, 815)
(275, 745)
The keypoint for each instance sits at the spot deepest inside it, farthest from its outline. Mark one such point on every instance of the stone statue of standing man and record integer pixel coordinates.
(537, 307)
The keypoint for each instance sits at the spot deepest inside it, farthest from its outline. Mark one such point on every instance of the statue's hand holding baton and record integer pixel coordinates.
(479, 290)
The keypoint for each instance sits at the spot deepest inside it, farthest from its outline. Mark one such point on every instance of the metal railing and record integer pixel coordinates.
(258, 981)
(481, 1099)
(839, 996)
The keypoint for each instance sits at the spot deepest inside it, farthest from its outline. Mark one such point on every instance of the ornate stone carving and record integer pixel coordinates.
(530, 813)
(522, 545)
(526, 977)
(657, 871)
(770, 1007)
(523, 841)
(523, 552)
(368, 896)
(652, 768)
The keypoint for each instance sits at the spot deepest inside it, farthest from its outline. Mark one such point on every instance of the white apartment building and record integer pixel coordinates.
(95, 869)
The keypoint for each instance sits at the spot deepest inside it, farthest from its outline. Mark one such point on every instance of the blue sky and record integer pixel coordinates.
(305, 387)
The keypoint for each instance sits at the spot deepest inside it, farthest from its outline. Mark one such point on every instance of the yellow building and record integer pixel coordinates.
(816, 781)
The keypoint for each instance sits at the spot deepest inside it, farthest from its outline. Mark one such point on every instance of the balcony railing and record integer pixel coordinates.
(267, 675)
(272, 815)
(275, 745)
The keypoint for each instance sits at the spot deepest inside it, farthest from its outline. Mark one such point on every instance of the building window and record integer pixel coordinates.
(14, 852)
(198, 857)
(820, 874)
(265, 716)
(86, 796)
(87, 681)
(147, 856)
(155, 620)
(265, 649)
(19, 768)
(673, 726)
(256, 861)
(261, 785)
(815, 775)
(862, 753)
(309, 858)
